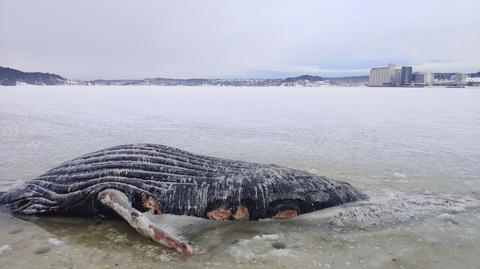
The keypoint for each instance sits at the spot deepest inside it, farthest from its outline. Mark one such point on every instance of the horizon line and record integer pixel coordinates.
(287, 75)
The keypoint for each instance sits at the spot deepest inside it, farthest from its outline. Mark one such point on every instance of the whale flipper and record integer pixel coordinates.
(119, 202)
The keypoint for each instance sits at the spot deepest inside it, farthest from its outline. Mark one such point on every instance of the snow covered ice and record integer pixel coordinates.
(415, 152)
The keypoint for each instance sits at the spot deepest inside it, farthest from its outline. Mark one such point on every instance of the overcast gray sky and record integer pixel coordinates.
(91, 39)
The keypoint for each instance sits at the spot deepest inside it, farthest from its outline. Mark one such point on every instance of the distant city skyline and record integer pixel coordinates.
(247, 39)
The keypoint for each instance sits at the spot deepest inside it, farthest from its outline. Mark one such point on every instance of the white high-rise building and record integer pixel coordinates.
(382, 76)
(459, 77)
(428, 79)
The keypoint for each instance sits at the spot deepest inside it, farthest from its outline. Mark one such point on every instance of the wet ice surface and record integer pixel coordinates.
(415, 151)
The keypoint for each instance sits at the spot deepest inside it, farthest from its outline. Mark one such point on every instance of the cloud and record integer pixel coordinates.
(135, 39)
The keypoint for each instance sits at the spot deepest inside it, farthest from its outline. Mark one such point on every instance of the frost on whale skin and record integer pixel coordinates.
(181, 183)
(130, 179)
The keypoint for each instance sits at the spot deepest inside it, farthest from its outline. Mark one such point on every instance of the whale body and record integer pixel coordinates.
(162, 179)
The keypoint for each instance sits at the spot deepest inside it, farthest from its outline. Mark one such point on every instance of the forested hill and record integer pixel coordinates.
(12, 77)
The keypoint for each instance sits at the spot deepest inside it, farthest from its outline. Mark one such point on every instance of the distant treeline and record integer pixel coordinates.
(10, 77)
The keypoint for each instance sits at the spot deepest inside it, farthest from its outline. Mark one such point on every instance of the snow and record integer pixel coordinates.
(268, 237)
(470, 79)
(55, 241)
(5, 248)
(415, 151)
(387, 207)
(358, 133)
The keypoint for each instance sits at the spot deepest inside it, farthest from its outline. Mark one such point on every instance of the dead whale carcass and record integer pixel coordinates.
(128, 180)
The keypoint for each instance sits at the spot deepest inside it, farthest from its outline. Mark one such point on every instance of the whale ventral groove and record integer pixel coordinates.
(169, 180)
(128, 180)
(177, 182)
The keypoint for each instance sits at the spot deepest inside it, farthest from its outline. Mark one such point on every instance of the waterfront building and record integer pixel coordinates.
(422, 78)
(459, 77)
(398, 77)
(418, 77)
(406, 75)
(382, 76)
(428, 79)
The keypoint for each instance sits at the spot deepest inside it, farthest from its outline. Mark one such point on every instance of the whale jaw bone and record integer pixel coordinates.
(119, 203)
